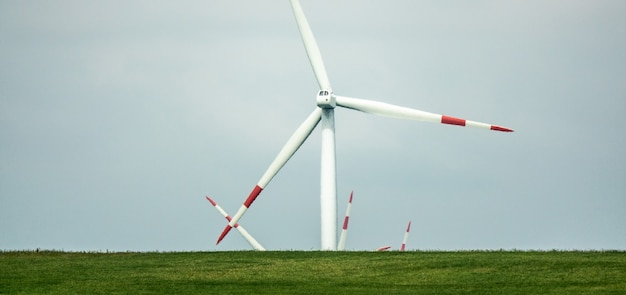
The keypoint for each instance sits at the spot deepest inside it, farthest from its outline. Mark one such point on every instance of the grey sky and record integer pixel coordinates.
(117, 118)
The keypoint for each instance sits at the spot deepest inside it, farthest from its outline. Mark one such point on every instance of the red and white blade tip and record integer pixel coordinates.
(500, 128)
(462, 122)
(224, 233)
(211, 200)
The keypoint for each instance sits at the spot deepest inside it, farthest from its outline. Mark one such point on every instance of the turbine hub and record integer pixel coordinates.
(326, 99)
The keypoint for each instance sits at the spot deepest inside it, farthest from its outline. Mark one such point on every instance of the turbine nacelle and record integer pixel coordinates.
(326, 99)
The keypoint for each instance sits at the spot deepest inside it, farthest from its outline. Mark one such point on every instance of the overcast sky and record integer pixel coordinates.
(117, 118)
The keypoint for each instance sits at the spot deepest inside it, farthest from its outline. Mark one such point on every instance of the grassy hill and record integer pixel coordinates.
(314, 272)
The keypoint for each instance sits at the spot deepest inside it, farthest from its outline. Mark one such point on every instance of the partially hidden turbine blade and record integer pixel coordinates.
(251, 240)
(295, 141)
(406, 237)
(344, 230)
(398, 112)
(312, 50)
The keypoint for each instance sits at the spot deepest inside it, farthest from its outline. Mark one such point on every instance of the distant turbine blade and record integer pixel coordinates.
(384, 248)
(406, 236)
(393, 111)
(295, 141)
(251, 240)
(312, 50)
(344, 231)
(256, 245)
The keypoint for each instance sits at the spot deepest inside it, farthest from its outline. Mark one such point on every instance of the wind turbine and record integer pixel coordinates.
(344, 230)
(406, 236)
(327, 100)
(251, 240)
(383, 248)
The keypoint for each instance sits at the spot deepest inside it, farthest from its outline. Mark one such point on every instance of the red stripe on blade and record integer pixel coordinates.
(211, 200)
(452, 121)
(345, 222)
(498, 128)
(224, 233)
(229, 219)
(255, 193)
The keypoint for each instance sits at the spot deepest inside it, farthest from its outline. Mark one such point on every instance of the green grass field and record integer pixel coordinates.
(313, 272)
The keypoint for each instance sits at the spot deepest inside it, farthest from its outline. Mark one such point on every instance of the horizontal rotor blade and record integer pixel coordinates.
(249, 238)
(293, 144)
(384, 248)
(312, 50)
(398, 112)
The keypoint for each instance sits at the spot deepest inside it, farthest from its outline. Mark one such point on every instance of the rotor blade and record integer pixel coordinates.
(312, 51)
(393, 111)
(406, 237)
(254, 243)
(290, 148)
(251, 240)
(344, 230)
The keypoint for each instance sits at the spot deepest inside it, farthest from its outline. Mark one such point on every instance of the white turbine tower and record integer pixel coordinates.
(326, 102)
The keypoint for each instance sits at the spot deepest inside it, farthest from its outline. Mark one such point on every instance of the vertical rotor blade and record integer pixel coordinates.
(344, 230)
(293, 144)
(406, 237)
(393, 111)
(312, 50)
(251, 240)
